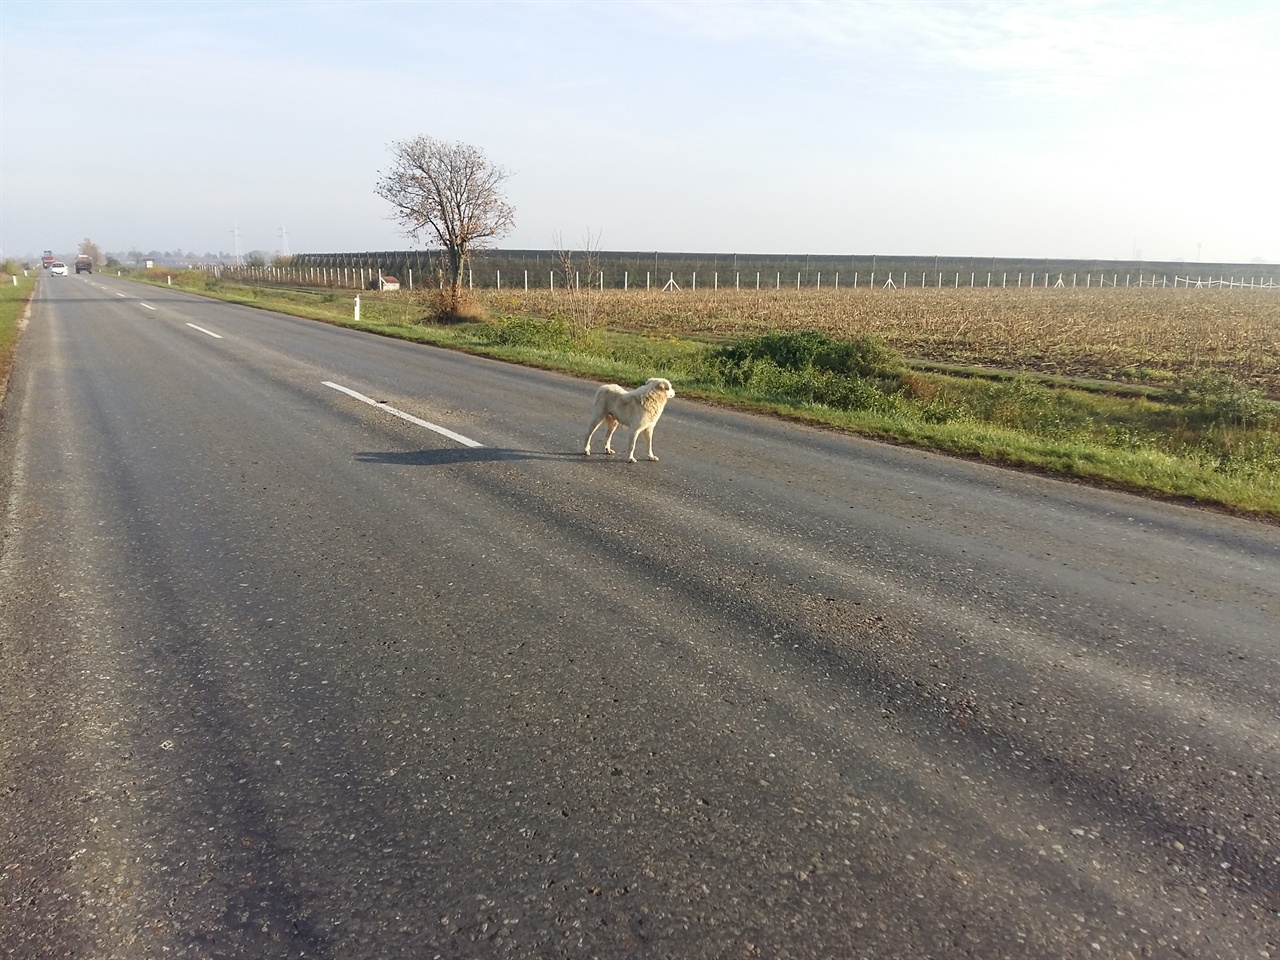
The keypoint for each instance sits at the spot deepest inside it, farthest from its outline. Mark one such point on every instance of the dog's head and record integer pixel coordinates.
(661, 384)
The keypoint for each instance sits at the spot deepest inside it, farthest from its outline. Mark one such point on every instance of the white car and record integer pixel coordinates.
(57, 269)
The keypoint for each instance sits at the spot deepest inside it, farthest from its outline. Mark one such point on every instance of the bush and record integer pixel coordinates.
(443, 307)
(1218, 398)
(810, 367)
(813, 349)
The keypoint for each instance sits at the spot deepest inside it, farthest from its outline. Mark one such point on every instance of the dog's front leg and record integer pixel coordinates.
(635, 437)
(649, 432)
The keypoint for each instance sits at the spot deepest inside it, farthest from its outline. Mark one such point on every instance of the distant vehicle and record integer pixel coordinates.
(57, 269)
(84, 264)
(48, 259)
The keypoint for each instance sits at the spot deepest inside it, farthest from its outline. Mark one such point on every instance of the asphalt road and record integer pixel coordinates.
(284, 674)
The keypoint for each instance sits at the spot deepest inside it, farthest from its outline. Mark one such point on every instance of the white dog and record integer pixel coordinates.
(638, 409)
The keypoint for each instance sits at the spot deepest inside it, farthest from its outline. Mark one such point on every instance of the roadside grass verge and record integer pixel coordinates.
(13, 300)
(1202, 435)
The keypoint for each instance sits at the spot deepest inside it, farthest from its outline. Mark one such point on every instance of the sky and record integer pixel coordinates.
(1060, 130)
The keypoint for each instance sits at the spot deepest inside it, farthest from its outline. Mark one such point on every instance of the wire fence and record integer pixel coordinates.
(548, 270)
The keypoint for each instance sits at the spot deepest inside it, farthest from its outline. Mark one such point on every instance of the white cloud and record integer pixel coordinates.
(1068, 51)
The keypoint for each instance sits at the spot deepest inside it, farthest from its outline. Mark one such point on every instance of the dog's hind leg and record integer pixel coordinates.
(586, 446)
(608, 437)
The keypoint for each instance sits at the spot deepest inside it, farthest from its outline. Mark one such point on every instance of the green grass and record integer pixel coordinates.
(13, 300)
(1209, 440)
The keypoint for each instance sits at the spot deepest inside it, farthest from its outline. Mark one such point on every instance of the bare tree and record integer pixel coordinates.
(449, 195)
(90, 249)
(583, 299)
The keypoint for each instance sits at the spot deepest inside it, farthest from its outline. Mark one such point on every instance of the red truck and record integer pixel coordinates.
(48, 259)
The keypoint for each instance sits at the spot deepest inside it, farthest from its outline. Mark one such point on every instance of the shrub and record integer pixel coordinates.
(444, 305)
(811, 367)
(1218, 398)
(814, 349)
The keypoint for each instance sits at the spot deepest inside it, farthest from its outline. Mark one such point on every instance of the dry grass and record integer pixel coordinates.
(1122, 334)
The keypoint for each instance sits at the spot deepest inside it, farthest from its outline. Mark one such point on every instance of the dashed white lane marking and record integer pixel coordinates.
(465, 441)
(147, 305)
(216, 336)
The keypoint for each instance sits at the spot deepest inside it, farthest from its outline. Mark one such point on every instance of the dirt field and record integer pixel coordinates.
(1137, 335)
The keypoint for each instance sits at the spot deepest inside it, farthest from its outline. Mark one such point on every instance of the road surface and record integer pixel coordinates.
(316, 644)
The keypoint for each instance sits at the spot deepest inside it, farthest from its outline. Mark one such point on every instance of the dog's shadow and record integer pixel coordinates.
(453, 455)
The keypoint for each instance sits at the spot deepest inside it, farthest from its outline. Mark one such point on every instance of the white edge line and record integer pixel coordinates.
(465, 441)
(216, 336)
